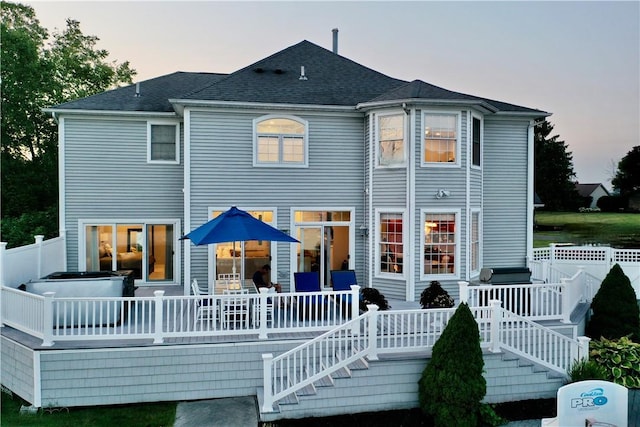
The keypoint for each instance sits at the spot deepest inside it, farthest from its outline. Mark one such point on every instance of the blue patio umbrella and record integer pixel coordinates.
(236, 225)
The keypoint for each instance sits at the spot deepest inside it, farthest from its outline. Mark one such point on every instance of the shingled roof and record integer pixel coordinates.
(154, 94)
(329, 80)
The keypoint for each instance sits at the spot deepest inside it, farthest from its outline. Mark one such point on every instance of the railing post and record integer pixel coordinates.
(583, 283)
(583, 348)
(355, 308)
(262, 312)
(267, 398)
(63, 234)
(464, 292)
(496, 321)
(372, 331)
(566, 300)
(47, 319)
(157, 331)
(39, 238)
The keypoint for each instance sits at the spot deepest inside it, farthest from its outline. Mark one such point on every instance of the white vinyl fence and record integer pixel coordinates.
(24, 263)
(555, 262)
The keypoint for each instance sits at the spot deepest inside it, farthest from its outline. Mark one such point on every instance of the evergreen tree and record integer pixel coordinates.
(615, 309)
(627, 179)
(452, 386)
(553, 170)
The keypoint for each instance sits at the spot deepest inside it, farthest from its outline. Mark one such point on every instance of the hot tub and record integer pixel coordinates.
(82, 314)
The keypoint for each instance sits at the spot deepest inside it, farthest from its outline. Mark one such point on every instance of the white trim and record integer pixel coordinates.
(403, 164)
(137, 114)
(280, 163)
(253, 105)
(351, 224)
(409, 266)
(175, 123)
(377, 256)
(467, 199)
(187, 202)
(37, 379)
(458, 162)
(456, 267)
(417, 102)
(62, 187)
(176, 222)
(370, 213)
(530, 190)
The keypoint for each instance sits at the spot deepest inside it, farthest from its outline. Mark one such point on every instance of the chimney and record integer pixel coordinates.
(137, 90)
(335, 40)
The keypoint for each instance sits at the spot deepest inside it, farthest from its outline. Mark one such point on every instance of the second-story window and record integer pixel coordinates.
(391, 140)
(162, 140)
(280, 141)
(440, 138)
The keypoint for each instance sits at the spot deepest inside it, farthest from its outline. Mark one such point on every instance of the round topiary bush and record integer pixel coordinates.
(435, 297)
(615, 309)
(372, 296)
(452, 386)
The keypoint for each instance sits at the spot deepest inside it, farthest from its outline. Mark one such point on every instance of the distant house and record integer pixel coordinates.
(595, 191)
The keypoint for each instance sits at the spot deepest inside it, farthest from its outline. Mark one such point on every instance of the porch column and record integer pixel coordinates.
(263, 300)
(566, 300)
(355, 308)
(267, 398)
(583, 348)
(464, 292)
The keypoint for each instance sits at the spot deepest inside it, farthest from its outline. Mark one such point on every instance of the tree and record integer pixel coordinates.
(615, 309)
(38, 73)
(452, 385)
(553, 170)
(627, 179)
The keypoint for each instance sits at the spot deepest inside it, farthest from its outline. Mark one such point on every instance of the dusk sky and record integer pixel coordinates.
(577, 60)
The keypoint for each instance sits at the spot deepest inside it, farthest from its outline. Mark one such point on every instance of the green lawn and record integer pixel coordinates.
(142, 415)
(621, 230)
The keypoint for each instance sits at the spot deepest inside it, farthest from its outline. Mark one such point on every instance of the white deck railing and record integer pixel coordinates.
(159, 317)
(396, 331)
(535, 301)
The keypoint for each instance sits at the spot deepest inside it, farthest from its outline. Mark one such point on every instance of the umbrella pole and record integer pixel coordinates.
(234, 258)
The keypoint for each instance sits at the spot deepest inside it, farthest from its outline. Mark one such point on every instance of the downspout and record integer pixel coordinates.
(411, 208)
(530, 190)
(187, 202)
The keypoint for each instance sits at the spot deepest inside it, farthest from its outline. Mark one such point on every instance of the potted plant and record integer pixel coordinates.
(372, 296)
(435, 297)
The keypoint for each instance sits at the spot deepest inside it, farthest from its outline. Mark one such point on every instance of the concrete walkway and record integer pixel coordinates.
(243, 412)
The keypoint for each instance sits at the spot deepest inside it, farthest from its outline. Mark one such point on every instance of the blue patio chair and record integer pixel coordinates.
(309, 282)
(341, 280)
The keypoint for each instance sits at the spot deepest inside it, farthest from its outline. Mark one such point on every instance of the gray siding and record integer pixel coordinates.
(16, 369)
(505, 192)
(107, 176)
(222, 174)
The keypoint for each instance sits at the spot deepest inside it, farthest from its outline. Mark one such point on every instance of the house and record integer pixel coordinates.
(404, 182)
(591, 193)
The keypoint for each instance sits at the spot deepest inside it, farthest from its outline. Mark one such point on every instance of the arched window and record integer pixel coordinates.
(280, 141)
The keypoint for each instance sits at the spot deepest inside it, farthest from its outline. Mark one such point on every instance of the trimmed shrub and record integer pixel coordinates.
(452, 385)
(615, 309)
(435, 297)
(620, 360)
(372, 296)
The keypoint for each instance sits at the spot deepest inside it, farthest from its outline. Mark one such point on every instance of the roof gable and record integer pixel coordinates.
(586, 190)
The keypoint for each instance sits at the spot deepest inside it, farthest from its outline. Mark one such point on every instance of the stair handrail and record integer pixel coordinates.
(537, 343)
(324, 348)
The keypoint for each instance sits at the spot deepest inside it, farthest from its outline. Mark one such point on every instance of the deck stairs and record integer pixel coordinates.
(510, 377)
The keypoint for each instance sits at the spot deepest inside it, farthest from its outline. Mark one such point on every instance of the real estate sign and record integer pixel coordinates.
(592, 403)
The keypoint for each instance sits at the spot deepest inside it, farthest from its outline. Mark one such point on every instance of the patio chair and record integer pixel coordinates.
(256, 308)
(205, 309)
(342, 280)
(230, 280)
(311, 306)
(235, 308)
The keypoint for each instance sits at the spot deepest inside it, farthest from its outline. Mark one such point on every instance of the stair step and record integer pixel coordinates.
(290, 399)
(342, 373)
(356, 364)
(308, 390)
(324, 382)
